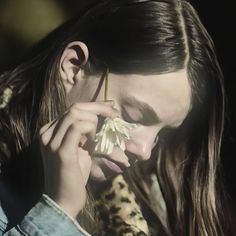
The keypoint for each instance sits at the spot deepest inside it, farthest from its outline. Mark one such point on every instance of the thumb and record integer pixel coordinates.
(85, 164)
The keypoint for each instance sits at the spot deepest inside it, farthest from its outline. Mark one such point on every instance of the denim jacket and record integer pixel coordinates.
(45, 218)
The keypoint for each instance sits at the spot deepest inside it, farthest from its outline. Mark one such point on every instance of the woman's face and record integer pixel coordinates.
(151, 101)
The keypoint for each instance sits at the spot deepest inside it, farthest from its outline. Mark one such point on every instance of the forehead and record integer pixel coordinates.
(168, 94)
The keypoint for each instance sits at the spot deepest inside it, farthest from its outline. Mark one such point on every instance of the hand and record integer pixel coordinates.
(66, 162)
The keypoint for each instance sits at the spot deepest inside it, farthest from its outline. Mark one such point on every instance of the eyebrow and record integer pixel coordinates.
(149, 116)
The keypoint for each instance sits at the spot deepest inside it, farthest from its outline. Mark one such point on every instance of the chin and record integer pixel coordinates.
(97, 177)
(97, 173)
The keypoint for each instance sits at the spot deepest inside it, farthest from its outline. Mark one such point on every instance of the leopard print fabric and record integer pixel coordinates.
(119, 214)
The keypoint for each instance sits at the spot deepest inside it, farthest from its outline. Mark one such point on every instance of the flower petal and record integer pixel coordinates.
(114, 132)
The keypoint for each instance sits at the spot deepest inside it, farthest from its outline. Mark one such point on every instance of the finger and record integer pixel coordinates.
(108, 102)
(46, 127)
(72, 116)
(104, 108)
(85, 111)
(46, 132)
(70, 153)
(85, 164)
(70, 142)
(83, 115)
(99, 108)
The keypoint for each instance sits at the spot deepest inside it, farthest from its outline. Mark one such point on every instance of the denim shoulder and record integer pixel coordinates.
(45, 218)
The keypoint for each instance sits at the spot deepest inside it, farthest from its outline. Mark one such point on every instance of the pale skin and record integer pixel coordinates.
(67, 142)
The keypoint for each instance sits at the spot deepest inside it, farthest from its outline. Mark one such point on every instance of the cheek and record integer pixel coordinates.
(77, 93)
(146, 135)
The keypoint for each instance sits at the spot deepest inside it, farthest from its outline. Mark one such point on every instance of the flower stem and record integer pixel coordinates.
(106, 85)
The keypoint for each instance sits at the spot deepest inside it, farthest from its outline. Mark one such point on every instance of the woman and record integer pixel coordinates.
(162, 75)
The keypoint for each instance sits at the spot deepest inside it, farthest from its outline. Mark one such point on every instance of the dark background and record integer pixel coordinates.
(24, 22)
(219, 17)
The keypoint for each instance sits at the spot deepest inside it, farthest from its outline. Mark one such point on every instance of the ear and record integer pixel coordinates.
(75, 55)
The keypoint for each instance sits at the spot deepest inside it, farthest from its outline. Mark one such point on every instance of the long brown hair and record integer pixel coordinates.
(141, 36)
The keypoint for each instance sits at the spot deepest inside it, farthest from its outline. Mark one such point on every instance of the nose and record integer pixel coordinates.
(142, 142)
(141, 151)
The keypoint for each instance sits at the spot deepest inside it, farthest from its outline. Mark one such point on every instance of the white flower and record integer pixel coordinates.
(114, 132)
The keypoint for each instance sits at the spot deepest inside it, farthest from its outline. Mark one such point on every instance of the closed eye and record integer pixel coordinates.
(145, 114)
(127, 117)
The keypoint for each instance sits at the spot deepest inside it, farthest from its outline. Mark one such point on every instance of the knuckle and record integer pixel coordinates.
(42, 129)
(73, 112)
(43, 139)
(76, 105)
(53, 147)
